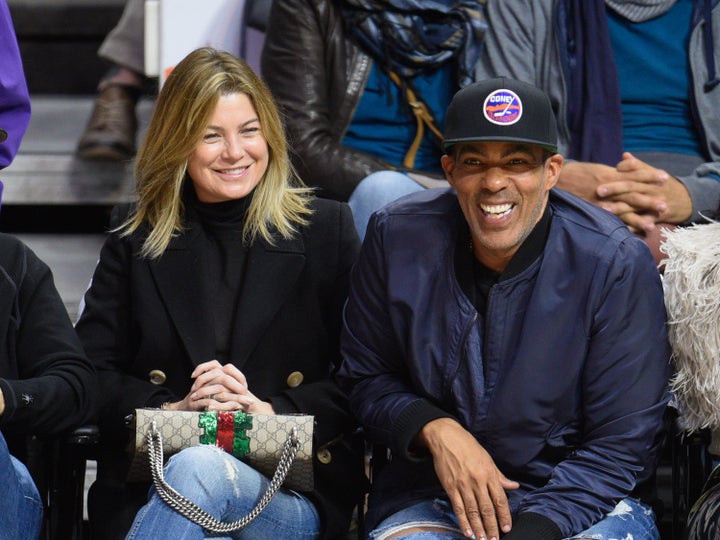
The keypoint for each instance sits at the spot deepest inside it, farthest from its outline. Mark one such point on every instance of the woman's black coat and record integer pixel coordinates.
(142, 317)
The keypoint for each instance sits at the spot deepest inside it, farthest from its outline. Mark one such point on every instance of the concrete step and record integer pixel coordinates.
(46, 170)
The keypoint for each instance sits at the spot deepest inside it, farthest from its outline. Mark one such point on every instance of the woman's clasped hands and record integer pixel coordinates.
(221, 388)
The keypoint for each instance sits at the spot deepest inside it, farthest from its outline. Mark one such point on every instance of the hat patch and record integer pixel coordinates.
(503, 107)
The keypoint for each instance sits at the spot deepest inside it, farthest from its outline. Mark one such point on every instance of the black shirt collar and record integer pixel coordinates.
(476, 279)
(530, 249)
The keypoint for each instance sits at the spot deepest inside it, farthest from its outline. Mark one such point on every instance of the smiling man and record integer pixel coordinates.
(507, 342)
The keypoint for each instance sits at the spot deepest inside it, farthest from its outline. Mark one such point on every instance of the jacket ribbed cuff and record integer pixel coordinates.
(410, 422)
(535, 526)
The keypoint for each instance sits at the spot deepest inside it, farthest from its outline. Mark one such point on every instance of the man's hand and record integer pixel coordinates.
(474, 485)
(639, 194)
(583, 179)
(645, 195)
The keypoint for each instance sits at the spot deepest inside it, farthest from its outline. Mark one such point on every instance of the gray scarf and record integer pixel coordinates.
(639, 10)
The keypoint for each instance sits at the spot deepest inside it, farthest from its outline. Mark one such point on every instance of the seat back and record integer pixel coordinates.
(58, 469)
(256, 14)
(690, 467)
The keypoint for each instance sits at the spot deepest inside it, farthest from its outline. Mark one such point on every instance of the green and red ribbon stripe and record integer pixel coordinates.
(226, 430)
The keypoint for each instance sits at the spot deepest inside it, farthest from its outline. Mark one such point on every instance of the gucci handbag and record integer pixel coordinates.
(279, 446)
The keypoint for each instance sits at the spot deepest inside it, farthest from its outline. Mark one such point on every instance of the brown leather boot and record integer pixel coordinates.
(111, 130)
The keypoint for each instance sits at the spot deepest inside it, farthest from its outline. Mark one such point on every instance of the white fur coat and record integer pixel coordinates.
(691, 282)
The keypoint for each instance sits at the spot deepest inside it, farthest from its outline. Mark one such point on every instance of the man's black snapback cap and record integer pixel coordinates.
(500, 110)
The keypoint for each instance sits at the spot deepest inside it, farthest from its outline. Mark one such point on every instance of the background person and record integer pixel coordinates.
(112, 127)
(635, 89)
(222, 288)
(331, 63)
(512, 334)
(14, 97)
(46, 381)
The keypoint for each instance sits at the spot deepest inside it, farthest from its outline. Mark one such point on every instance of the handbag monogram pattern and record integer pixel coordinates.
(256, 439)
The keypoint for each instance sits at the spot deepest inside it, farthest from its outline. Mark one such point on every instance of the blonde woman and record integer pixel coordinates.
(222, 288)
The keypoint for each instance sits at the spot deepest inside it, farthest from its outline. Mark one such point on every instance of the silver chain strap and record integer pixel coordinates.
(193, 512)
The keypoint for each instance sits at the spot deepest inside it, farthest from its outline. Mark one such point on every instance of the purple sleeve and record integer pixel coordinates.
(14, 98)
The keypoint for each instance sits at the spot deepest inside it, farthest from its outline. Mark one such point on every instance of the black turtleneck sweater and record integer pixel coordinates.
(225, 258)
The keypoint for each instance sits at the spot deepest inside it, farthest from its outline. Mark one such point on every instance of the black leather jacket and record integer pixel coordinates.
(317, 76)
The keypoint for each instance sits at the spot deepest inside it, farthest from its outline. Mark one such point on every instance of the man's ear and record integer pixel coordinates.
(554, 166)
(448, 165)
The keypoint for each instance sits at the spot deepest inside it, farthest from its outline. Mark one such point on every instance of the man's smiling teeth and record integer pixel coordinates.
(496, 209)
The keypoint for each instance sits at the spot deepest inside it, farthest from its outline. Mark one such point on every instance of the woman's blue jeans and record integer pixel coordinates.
(228, 489)
(21, 508)
(629, 519)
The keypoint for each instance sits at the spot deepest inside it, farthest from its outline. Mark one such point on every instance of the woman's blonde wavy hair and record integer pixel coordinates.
(183, 109)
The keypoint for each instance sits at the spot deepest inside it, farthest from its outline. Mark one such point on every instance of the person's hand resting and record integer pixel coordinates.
(645, 196)
(474, 485)
(221, 388)
(639, 194)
